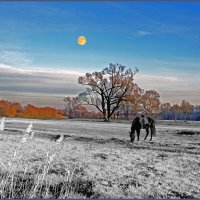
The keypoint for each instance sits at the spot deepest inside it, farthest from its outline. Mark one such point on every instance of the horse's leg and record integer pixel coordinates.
(153, 130)
(138, 134)
(147, 133)
(151, 133)
(132, 135)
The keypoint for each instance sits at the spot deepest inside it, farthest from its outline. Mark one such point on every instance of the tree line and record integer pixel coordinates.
(75, 109)
(114, 94)
(15, 109)
(128, 110)
(109, 94)
(183, 111)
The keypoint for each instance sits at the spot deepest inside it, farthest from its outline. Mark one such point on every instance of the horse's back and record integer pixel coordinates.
(136, 123)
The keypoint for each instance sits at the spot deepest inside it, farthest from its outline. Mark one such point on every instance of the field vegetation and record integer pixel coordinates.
(82, 159)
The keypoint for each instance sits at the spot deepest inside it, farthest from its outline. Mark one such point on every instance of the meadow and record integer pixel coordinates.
(97, 160)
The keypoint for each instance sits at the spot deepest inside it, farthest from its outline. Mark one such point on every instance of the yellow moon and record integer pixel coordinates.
(81, 40)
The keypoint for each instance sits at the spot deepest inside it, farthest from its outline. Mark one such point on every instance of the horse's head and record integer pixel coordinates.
(132, 136)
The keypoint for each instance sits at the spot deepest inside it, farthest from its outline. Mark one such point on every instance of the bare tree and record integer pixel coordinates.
(72, 104)
(108, 88)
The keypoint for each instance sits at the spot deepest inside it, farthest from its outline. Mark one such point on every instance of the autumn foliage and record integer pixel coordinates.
(15, 109)
(108, 88)
(10, 109)
(177, 111)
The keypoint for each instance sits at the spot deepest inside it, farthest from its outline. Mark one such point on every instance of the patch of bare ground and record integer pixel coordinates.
(96, 166)
(184, 132)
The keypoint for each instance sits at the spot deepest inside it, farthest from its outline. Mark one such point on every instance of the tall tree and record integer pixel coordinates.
(107, 88)
(151, 102)
(133, 102)
(186, 108)
(165, 109)
(175, 109)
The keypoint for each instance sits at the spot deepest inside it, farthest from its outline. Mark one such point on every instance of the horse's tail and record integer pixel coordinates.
(153, 129)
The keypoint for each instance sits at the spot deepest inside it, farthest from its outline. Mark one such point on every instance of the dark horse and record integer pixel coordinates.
(142, 123)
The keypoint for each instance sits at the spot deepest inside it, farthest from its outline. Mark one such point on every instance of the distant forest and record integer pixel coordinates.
(15, 109)
(74, 109)
(184, 111)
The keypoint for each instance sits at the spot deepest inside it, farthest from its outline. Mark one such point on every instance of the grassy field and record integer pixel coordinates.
(96, 160)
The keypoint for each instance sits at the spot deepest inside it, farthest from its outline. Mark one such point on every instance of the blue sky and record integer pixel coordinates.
(162, 39)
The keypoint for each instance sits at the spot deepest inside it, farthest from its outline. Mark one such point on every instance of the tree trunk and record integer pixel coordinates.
(185, 115)
(104, 116)
(106, 119)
